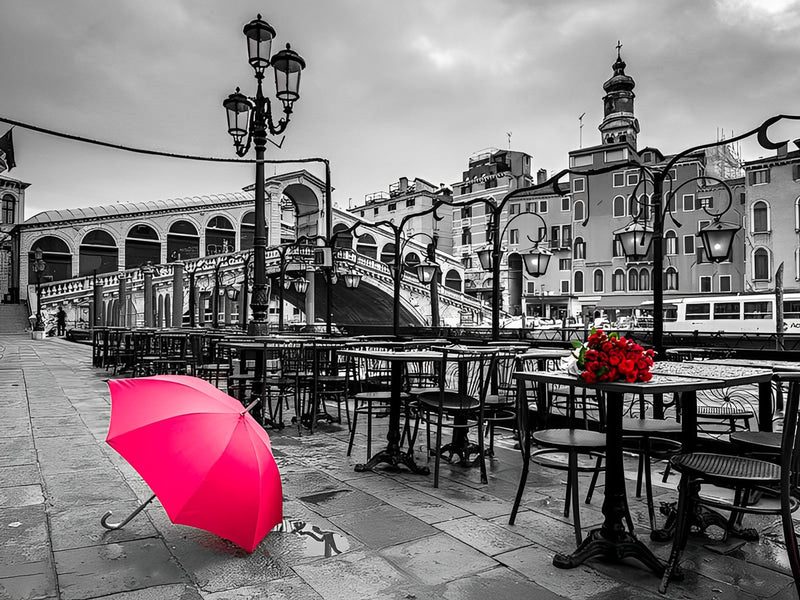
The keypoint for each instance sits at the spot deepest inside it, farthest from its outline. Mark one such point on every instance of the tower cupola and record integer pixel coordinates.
(619, 123)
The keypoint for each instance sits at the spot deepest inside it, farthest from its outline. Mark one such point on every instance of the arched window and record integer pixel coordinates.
(670, 242)
(466, 236)
(183, 241)
(760, 217)
(453, 280)
(97, 253)
(142, 247)
(344, 238)
(578, 210)
(671, 278)
(579, 248)
(633, 280)
(618, 281)
(761, 264)
(387, 254)
(578, 283)
(597, 277)
(644, 279)
(366, 245)
(220, 236)
(56, 255)
(247, 231)
(9, 209)
(619, 206)
(411, 261)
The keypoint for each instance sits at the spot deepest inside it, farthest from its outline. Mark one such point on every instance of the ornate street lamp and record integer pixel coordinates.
(637, 237)
(250, 120)
(536, 260)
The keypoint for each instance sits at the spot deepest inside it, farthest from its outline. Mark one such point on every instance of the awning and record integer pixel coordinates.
(623, 301)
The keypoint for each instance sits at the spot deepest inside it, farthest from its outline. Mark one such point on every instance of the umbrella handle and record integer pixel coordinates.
(112, 526)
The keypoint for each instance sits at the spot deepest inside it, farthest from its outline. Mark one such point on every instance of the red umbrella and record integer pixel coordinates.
(208, 461)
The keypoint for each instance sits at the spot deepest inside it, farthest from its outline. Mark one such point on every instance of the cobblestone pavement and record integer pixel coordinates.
(399, 537)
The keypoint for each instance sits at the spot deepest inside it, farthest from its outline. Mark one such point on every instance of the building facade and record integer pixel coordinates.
(12, 211)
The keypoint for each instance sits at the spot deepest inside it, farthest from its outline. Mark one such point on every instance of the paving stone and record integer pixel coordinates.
(17, 450)
(68, 458)
(111, 568)
(483, 535)
(354, 575)
(19, 475)
(14, 425)
(437, 559)
(419, 504)
(541, 528)
(21, 495)
(23, 536)
(340, 501)
(177, 591)
(497, 583)
(213, 563)
(535, 563)
(29, 581)
(291, 588)
(91, 487)
(479, 502)
(383, 526)
(76, 526)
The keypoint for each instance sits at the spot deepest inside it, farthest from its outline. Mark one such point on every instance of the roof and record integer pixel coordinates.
(126, 208)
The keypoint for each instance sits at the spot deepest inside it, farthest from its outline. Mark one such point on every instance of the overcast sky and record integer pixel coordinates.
(392, 88)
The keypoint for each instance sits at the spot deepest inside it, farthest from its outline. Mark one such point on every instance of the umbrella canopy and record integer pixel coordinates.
(208, 461)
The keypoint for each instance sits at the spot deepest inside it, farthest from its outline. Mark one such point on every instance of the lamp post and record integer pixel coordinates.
(397, 267)
(637, 237)
(250, 120)
(536, 259)
(39, 267)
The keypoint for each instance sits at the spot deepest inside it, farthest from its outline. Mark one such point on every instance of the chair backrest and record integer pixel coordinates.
(468, 373)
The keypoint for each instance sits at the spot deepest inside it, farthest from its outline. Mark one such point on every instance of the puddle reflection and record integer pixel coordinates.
(315, 541)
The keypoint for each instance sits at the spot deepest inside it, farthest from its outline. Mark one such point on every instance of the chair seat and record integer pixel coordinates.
(648, 426)
(379, 396)
(448, 400)
(764, 441)
(580, 439)
(736, 468)
(725, 412)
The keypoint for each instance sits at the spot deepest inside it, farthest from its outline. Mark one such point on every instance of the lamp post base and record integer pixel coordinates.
(258, 327)
(37, 335)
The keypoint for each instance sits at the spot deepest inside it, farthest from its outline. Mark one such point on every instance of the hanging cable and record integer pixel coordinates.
(85, 140)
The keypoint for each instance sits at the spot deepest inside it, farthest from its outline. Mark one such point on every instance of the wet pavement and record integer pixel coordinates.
(377, 535)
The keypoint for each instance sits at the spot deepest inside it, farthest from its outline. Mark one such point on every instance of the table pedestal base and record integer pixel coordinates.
(596, 545)
(701, 519)
(394, 459)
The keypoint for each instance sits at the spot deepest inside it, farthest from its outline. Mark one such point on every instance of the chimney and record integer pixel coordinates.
(541, 176)
(783, 149)
(403, 184)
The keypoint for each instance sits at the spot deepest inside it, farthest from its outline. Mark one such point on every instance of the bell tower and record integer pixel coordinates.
(619, 123)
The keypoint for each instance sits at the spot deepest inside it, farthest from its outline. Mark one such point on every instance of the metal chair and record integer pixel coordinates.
(744, 475)
(550, 441)
(458, 403)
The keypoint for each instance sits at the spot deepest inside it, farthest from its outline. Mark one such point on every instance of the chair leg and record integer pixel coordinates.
(648, 483)
(681, 534)
(523, 478)
(437, 450)
(353, 429)
(595, 474)
(576, 508)
(481, 450)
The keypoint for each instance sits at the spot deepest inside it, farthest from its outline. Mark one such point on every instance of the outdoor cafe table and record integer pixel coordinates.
(392, 454)
(612, 541)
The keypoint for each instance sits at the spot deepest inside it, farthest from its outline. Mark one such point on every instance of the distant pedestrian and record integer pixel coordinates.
(61, 321)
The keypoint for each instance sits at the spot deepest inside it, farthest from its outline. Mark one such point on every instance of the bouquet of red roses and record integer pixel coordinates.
(609, 357)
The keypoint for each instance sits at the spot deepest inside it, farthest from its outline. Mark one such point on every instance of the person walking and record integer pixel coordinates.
(61, 321)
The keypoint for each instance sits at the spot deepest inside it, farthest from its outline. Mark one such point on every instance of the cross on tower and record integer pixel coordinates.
(619, 47)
